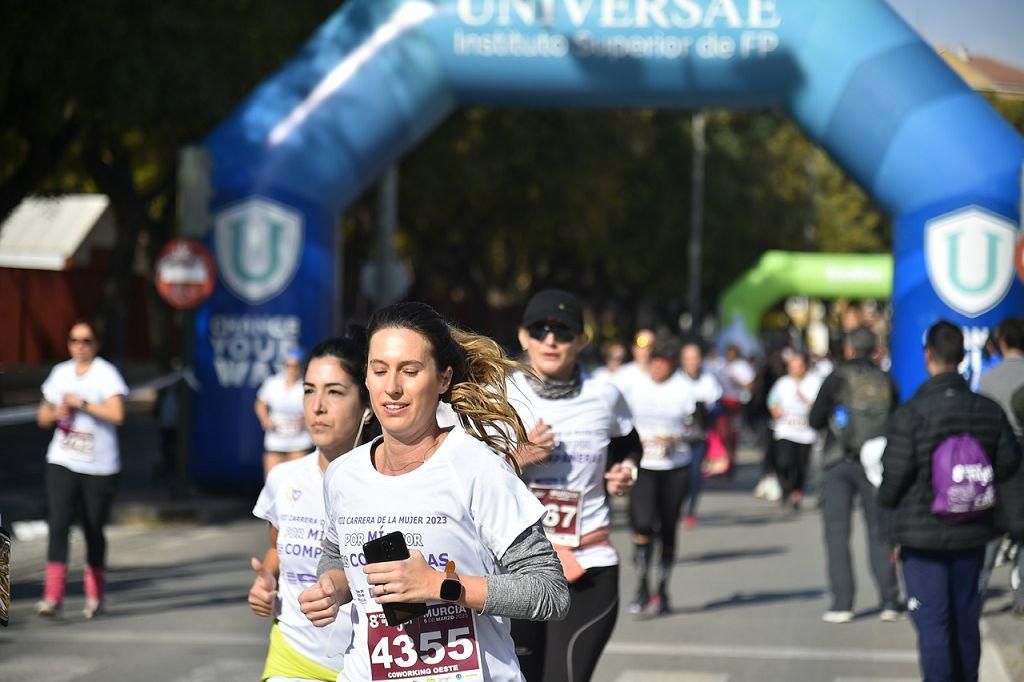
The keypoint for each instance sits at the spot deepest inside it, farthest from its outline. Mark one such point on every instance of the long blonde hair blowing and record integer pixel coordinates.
(480, 368)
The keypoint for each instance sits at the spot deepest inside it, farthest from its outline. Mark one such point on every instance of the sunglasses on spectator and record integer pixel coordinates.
(540, 331)
(86, 342)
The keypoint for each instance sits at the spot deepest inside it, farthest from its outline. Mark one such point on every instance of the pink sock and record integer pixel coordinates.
(94, 582)
(56, 578)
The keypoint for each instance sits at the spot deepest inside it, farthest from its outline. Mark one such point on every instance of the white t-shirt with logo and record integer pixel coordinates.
(795, 398)
(292, 500)
(571, 481)
(89, 446)
(663, 410)
(284, 404)
(464, 504)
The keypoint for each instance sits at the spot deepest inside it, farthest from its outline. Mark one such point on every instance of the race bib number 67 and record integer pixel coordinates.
(440, 645)
(562, 514)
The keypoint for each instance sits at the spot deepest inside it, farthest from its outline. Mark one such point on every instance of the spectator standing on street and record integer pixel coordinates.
(942, 557)
(279, 409)
(790, 401)
(706, 392)
(1001, 380)
(84, 397)
(478, 554)
(854, 402)
(336, 404)
(584, 446)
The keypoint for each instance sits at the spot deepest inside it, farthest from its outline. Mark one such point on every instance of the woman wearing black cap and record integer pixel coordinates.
(576, 424)
(663, 406)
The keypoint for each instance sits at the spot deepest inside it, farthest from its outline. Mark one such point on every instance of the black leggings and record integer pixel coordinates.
(655, 504)
(91, 497)
(570, 649)
(791, 465)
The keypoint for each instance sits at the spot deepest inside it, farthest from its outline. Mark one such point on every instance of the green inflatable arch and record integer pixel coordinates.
(825, 275)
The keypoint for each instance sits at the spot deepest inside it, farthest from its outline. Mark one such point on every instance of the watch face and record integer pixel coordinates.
(451, 590)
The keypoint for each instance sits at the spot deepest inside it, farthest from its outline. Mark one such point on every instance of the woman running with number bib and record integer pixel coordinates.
(576, 424)
(338, 417)
(477, 551)
(279, 409)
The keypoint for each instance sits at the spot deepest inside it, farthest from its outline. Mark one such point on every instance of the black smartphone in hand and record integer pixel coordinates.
(392, 547)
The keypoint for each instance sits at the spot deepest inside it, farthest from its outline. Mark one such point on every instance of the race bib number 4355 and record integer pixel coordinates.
(440, 645)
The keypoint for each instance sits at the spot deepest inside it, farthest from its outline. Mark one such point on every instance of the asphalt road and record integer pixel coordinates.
(748, 591)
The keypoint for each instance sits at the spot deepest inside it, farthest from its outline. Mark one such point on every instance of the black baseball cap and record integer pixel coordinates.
(555, 305)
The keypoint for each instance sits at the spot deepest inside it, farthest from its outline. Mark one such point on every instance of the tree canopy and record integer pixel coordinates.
(100, 96)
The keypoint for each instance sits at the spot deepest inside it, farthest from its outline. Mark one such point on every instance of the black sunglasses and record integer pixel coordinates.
(540, 331)
(87, 342)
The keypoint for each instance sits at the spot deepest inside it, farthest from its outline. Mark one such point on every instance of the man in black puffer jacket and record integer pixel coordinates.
(942, 561)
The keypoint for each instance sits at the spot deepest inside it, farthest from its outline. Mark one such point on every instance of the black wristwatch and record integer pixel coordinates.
(451, 586)
(84, 407)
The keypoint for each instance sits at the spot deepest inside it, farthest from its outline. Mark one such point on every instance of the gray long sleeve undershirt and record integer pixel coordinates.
(531, 585)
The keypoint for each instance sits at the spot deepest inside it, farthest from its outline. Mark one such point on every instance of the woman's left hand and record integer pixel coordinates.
(72, 400)
(407, 581)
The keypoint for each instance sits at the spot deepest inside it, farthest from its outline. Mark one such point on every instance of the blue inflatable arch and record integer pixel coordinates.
(381, 74)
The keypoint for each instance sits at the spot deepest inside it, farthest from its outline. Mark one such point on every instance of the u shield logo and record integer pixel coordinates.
(258, 245)
(970, 259)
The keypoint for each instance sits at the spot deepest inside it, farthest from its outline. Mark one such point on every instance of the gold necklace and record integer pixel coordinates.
(426, 456)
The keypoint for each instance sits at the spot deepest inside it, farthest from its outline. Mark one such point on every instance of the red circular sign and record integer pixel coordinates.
(185, 273)
(1018, 259)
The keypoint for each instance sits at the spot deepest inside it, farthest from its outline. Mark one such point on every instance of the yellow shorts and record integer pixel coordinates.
(284, 661)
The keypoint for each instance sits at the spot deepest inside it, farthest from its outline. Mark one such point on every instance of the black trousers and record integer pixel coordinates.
(791, 465)
(655, 504)
(89, 497)
(570, 649)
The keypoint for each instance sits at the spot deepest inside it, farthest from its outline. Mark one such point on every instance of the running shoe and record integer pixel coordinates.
(47, 609)
(638, 604)
(659, 605)
(890, 615)
(93, 608)
(837, 617)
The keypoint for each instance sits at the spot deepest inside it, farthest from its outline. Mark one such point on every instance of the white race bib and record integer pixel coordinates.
(79, 445)
(562, 518)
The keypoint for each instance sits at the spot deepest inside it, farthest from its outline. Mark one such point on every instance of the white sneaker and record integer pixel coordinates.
(93, 608)
(890, 616)
(837, 616)
(47, 609)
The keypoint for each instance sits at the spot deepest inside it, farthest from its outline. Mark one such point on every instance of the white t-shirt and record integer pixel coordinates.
(571, 481)
(292, 500)
(90, 445)
(795, 398)
(663, 410)
(705, 388)
(284, 403)
(464, 504)
(735, 376)
(627, 375)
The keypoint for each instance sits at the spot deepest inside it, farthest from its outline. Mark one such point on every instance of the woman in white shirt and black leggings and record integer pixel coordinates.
(478, 554)
(584, 443)
(84, 397)
(663, 405)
